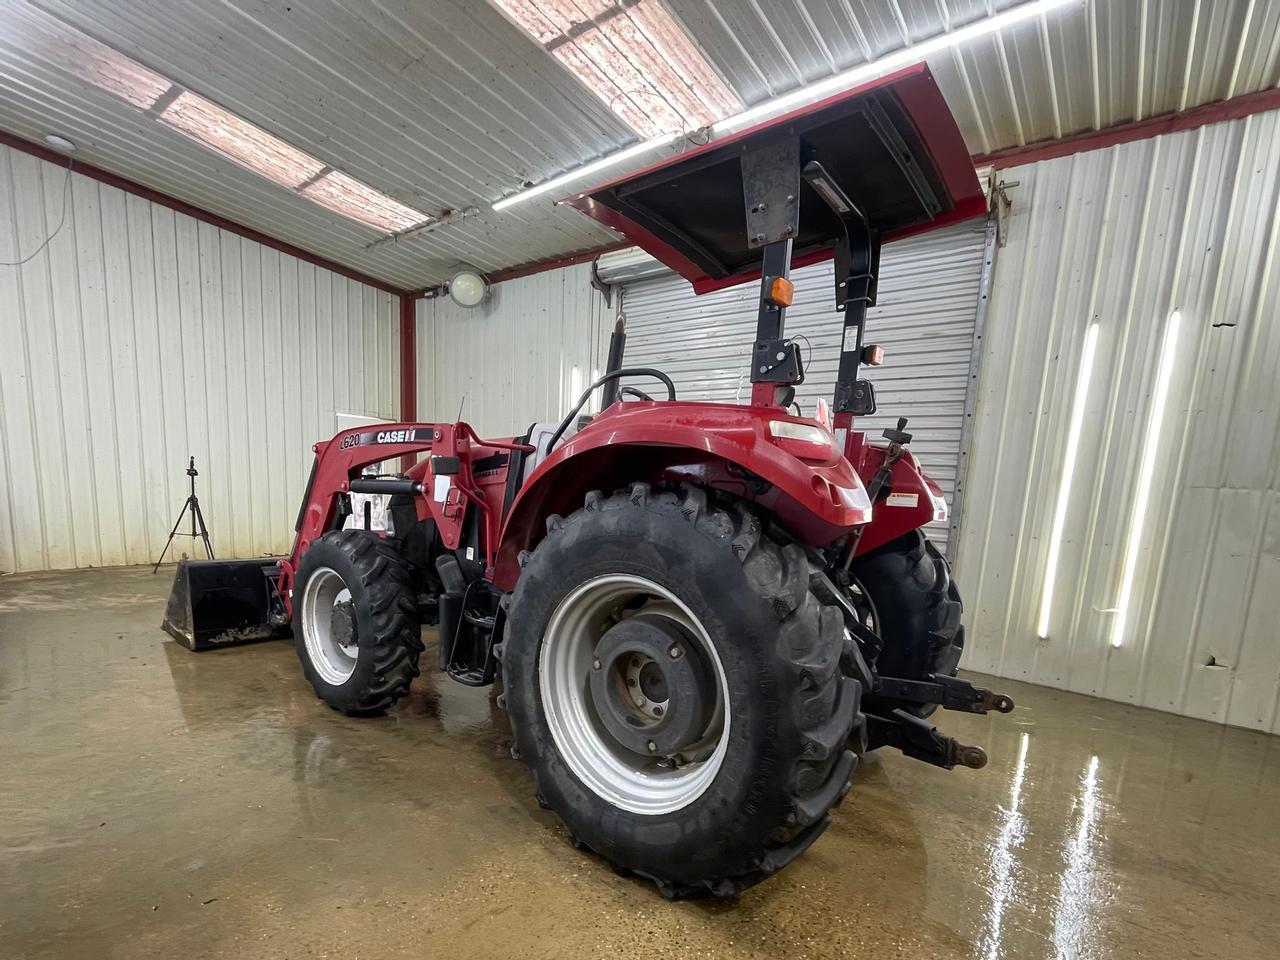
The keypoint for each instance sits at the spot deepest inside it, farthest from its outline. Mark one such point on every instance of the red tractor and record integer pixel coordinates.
(700, 614)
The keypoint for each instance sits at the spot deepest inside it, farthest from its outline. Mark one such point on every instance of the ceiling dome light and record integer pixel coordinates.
(468, 287)
(61, 144)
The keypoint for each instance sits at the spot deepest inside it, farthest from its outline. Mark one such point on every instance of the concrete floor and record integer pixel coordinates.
(155, 803)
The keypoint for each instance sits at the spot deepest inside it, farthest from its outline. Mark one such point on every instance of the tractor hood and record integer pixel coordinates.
(891, 145)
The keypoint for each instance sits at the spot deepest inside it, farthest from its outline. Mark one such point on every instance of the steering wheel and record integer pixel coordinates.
(611, 375)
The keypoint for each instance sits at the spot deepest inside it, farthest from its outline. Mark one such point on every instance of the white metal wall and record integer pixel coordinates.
(1124, 236)
(924, 317)
(139, 336)
(524, 355)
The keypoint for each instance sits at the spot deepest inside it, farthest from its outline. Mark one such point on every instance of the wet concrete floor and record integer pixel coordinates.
(155, 803)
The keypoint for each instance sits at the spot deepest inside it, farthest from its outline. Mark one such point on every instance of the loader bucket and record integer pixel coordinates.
(216, 603)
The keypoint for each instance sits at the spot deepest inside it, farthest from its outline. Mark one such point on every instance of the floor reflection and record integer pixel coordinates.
(170, 804)
(1003, 859)
(1081, 892)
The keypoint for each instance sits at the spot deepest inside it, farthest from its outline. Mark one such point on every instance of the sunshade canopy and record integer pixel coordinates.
(891, 146)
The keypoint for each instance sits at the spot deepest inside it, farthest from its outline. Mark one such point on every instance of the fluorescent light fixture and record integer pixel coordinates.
(214, 128)
(888, 63)
(595, 166)
(634, 56)
(1064, 483)
(1151, 444)
(804, 95)
(575, 384)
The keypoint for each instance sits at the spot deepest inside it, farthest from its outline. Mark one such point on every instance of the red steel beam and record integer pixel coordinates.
(408, 368)
(408, 358)
(1219, 111)
(198, 213)
(538, 266)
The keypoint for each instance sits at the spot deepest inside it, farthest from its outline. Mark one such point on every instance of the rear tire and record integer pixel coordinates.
(781, 761)
(356, 623)
(915, 609)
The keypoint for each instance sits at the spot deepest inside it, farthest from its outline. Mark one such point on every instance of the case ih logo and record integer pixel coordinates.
(383, 436)
(394, 436)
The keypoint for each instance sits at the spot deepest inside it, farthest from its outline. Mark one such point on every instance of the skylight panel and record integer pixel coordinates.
(634, 56)
(213, 127)
(99, 65)
(351, 198)
(236, 139)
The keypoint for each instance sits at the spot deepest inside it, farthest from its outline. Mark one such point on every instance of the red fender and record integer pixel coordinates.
(813, 490)
(910, 500)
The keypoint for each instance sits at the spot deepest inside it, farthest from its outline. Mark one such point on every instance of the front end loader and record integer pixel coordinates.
(700, 614)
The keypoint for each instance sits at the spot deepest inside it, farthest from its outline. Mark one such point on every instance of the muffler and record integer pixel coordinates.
(219, 603)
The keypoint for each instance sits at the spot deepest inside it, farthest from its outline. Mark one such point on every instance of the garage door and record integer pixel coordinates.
(927, 318)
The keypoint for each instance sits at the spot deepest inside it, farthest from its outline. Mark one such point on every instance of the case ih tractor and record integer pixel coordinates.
(700, 614)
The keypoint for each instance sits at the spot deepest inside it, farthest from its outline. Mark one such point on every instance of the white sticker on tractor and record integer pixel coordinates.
(903, 500)
(441, 490)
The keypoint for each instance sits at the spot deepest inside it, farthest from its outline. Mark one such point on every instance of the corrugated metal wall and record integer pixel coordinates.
(524, 355)
(924, 317)
(140, 336)
(1125, 236)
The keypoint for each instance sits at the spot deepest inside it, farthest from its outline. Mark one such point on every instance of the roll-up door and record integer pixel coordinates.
(926, 317)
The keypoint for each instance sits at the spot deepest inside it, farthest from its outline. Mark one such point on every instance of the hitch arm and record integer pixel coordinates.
(920, 741)
(951, 693)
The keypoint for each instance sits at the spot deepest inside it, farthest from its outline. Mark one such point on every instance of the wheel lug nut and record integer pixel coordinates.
(640, 701)
(595, 664)
(657, 711)
(652, 746)
(676, 652)
(631, 681)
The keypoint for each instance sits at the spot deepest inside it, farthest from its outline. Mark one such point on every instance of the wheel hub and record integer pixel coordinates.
(327, 618)
(651, 696)
(620, 627)
(342, 624)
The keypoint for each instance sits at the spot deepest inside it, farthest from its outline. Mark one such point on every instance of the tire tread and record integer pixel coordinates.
(397, 640)
(810, 640)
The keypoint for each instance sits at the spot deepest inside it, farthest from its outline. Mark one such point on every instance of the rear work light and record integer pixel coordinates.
(807, 440)
(939, 506)
(873, 355)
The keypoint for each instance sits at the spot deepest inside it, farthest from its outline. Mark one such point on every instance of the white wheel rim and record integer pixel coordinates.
(333, 659)
(637, 784)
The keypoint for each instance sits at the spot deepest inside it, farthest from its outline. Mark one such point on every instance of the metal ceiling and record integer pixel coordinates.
(446, 104)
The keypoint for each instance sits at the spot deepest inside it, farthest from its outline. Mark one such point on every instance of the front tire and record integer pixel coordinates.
(737, 778)
(356, 623)
(914, 607)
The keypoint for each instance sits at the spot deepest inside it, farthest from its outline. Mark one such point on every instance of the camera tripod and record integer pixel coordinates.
(197, 519)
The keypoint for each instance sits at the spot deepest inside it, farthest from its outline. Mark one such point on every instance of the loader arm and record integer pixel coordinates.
(442, 486)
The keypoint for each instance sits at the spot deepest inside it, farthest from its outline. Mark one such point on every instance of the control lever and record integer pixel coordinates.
(898, 440)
